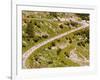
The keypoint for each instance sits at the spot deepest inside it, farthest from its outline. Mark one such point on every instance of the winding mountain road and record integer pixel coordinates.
(31, 50)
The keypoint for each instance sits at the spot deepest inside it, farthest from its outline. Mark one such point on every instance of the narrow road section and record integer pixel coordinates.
(31, 50)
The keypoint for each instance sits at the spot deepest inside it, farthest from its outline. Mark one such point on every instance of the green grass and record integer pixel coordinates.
(40, 26)
(45, 29)
(58, 57)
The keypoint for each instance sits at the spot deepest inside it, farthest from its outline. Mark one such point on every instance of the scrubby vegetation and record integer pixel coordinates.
(68, 51)
(58, 52)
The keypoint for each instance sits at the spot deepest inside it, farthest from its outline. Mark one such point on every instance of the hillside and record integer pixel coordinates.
(46, 43)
